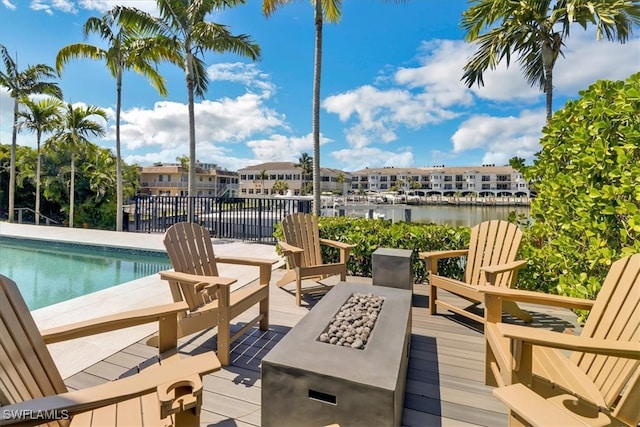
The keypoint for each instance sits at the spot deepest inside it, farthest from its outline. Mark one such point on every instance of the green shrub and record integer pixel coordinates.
(369, 234)
(587, 213)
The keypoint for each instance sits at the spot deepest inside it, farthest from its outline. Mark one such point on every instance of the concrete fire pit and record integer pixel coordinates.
(306, 382)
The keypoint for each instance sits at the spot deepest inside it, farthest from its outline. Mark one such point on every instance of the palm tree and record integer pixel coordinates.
(184, 166)
(20, 85)
(535, 30)
(77, 125)
(306, 164)
(190, 36)
(329, 10)
(127, 49)
(262, 176)
(40, 117)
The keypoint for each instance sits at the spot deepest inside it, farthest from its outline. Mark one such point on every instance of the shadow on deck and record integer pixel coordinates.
(445, 378)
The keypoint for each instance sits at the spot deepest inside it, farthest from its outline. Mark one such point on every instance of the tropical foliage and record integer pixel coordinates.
(40, 117)
(587, 213)
(21, 84)
(127, 49)
(77, 125)
(95, 197)
(367, 235)
(535, 31)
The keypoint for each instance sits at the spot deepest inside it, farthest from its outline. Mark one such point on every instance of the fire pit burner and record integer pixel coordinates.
(352, 325)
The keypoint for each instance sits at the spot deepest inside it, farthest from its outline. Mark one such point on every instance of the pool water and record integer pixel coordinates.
(48, 273)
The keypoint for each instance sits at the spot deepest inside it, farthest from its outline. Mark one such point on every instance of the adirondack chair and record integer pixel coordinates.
(32, 391)
(211, 302)
(491, 259)
(598, 384)
(301, 247)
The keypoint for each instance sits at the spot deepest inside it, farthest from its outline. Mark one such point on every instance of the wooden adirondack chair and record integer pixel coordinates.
(598, 384)
(491, 259)
(32, 391)
(301, 246)
(211, 302)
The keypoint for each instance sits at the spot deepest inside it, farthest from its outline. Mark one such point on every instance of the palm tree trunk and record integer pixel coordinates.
(72, 189)
(192, 139)
(119, 207)
(316, 108)
(548, 88)
(12, 166)
(39, 161)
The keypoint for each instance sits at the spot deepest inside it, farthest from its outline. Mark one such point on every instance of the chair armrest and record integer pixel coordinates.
(431, 258)
(531, 297)
(288, 249)
(87, 399)
(336, 244)
(111, 322)
(501, 268)
(545, 338)
(257, 262)
(436, 255)
(196, 279)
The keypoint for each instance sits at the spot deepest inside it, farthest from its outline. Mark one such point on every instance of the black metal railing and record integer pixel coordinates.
(241, 218)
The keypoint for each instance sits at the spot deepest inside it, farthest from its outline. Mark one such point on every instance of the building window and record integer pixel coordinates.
(486, 178)
(448, 178)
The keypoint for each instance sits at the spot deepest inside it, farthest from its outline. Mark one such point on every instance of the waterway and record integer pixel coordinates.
(437, 214)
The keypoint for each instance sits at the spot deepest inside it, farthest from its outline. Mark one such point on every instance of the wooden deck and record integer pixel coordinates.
(445, 379)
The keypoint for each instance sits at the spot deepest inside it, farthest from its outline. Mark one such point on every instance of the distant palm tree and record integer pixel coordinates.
(189, 35)
(40, 117)
(329, 10)
(535, 30)
(127, 49)
(77, 125)
(20, 85)
(262, 176)
(184, 167)
(306, 164)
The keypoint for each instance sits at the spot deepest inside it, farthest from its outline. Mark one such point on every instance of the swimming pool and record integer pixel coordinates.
(51, 272)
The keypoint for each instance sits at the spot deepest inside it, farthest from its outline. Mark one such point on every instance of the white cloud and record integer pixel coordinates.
(587, 60)
(501, 137)
(353, 160)
(9, 5)
(283, 148)
(378, 113)
(105, 5)
(246, 74)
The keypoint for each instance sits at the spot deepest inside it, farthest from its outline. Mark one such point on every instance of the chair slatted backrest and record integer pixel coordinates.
(301, 230)
(492, 243)
(27, 370)
(615, 315)
(190, 251)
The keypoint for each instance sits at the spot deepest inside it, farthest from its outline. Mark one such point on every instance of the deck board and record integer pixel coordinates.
(445, 379)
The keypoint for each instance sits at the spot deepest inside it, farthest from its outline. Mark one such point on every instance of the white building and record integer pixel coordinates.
(486, 180)
(261, 179)
(171, 179)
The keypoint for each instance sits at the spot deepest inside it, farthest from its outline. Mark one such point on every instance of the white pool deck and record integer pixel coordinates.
(74, 356)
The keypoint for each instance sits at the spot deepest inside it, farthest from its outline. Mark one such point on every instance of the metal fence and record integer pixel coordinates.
(241, 218)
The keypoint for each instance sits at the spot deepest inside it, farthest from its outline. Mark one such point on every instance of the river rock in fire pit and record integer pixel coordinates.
(355, 320)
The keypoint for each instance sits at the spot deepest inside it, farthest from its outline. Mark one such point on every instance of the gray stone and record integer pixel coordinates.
(392, 268)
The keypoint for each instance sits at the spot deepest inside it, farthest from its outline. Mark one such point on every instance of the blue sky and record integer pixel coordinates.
(391, 89)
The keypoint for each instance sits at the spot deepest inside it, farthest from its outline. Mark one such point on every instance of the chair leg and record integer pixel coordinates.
(224, 326)
(264, 310)
(298, 290)
(433, 295)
